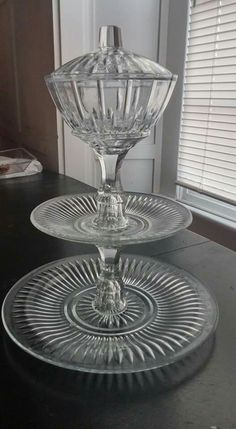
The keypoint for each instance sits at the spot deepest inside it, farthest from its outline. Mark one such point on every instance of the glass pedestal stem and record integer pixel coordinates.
(109, 300)
(110, 198)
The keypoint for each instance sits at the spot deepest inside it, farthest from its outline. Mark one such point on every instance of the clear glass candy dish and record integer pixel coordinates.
(111, 99)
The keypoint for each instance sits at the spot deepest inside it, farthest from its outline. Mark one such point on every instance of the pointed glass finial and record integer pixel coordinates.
(110, 37)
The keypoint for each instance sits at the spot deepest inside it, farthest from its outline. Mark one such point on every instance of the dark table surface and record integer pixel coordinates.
(35, 395)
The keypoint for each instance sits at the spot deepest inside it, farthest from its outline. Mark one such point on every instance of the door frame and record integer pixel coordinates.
(87, 41)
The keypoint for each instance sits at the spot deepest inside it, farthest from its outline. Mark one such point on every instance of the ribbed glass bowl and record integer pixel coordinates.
(111, 95)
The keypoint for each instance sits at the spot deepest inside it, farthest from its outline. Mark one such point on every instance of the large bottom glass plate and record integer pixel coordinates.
(49, 314)
(78, 386)
(151, 217)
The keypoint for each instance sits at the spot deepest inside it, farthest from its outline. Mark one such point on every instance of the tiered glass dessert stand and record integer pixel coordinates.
(110, 313)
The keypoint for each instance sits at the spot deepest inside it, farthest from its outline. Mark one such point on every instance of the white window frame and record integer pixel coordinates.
(206, 206)
(209, 207)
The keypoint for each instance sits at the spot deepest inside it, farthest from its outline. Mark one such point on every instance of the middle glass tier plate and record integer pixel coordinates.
(151, 217)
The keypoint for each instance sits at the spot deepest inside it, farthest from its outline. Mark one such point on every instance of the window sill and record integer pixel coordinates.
(210, 216)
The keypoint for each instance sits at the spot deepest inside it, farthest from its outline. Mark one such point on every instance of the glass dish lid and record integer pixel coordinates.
(111, 94)
(111, 61)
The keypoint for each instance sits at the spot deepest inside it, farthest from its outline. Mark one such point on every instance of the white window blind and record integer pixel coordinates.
(207, 147)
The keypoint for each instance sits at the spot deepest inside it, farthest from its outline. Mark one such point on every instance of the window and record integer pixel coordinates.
(207, 144)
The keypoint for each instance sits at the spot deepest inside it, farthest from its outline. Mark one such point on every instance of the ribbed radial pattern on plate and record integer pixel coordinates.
(152, 217)
(49, 313)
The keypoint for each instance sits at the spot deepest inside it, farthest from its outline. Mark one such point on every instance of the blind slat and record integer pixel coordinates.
(223, 151)
(225, 182)
(222, 143)
(229, 135)
(207, 138)
(214, 13)
(209, 50)
(188, 101)
(221, 169)
(200, 3)
(210, 131)
(213, 62)
(214, 22)
(203, 117)
(212, 53)
(204, 5)
(210, 8)
(211, 92)
(208, 79)
(209, 30)
(226, 165)
(213, 125)
(207, 71)
(224, 36)
(222, 111)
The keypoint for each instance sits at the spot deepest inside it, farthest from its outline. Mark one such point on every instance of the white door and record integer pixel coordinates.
(79, 24)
